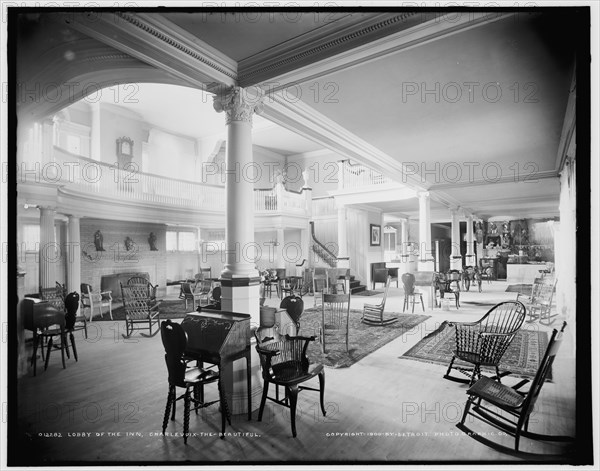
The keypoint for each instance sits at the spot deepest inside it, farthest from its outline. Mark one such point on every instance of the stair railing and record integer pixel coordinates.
(322, 251)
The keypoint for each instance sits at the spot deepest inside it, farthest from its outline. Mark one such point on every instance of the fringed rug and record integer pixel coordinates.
(519, 288)
(522, 357)
(367, 292)
(363, 339)
(172, 309)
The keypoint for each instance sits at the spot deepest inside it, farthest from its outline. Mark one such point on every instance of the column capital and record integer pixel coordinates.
(239, 103)
(423, 194)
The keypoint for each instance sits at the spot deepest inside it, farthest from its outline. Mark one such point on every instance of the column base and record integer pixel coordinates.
(456, 263)
(241, 295)
(426, 266)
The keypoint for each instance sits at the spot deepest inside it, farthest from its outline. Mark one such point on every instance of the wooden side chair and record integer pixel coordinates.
(373, 313)
(48, 323)
(56, 297)
(508, 409)
(191, 379)
(442, 285)
(335, 317)
(320, 283)
(483, 343)
(410, 293)
(284, 363)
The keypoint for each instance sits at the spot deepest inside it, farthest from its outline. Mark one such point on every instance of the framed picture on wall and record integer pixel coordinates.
(375, 234)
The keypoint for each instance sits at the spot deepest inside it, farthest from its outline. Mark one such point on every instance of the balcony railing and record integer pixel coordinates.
(86, 175)
(279, 199)
(358, 176)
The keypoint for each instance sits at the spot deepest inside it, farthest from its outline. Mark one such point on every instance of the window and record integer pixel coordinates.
(389, 241)
(31, 237)
(171, 241)
(187, 242)
(181, 241)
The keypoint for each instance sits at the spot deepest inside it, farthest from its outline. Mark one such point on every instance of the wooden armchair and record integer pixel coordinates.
(483, 343)
(92, 300)
(284, 363)
(373, 313)
(380, 275)
(196, 292)
(141, 312)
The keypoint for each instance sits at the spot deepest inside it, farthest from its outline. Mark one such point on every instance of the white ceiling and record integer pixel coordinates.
(160, 105)
(527, 56)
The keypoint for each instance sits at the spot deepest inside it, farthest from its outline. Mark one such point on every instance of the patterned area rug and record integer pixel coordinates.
(522, 357)
(519, 288)
(168, 310)
(363, 339)
(367, 292)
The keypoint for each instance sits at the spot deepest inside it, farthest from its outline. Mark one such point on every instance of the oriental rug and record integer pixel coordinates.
(522, 357)
(363, 339)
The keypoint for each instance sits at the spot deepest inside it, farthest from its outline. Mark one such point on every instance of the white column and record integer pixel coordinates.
(342, 238)
(470, 255)
(48, 249)
(280, 240)
(405, 255)
(240, 281)
(73, 255)
(426, 258)
(239, 105)
(404, 235)
(455, 263)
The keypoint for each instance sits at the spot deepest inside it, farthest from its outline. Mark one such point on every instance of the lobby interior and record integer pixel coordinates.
(266, 130)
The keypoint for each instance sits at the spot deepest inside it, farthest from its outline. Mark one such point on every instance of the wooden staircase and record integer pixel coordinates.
(331, 259)
(356, 286)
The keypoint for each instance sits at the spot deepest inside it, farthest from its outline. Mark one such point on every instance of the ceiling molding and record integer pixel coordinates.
(155, 40)
(322, 43)
(525, 178)
(430, 28)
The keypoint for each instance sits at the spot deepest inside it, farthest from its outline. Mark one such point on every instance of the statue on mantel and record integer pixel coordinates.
(152, 241)
(99, 241)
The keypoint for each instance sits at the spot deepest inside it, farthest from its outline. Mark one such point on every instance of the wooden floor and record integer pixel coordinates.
(108, 407)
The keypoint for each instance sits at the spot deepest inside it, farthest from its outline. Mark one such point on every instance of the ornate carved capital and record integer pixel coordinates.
(239, 103)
